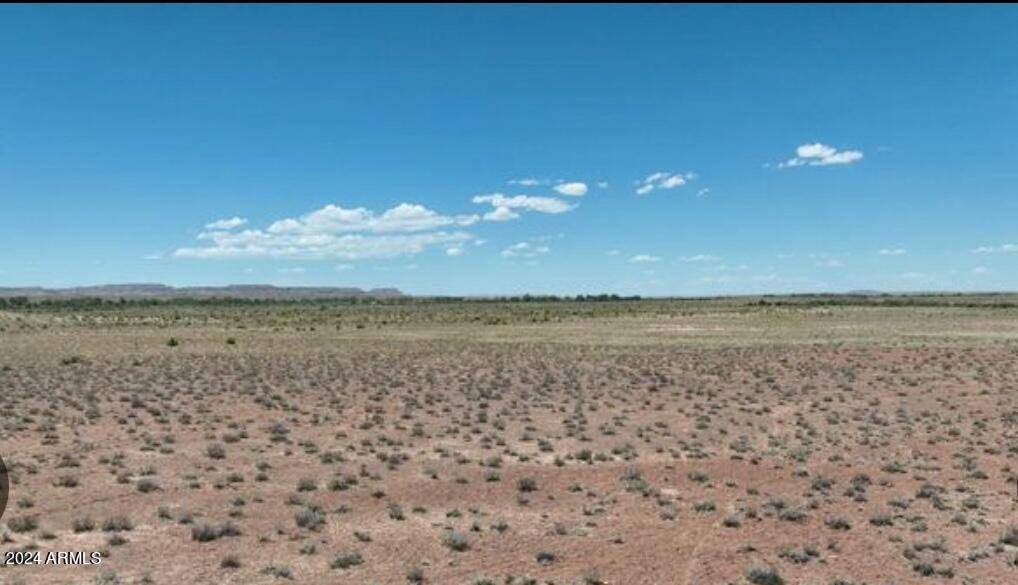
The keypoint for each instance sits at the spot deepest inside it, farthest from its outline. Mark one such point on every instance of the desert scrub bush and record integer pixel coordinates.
(147, 485)
(209, 532)
(705, 506)
(500, 526)
(798, 557)
(1010, 536)
(456, 541)
(346, 560)
(792, 515)
(82, 525)
(839, 523)
(415, 574)
(172, 342)
(216, 451)
(204, 533)
(526, 484)
(278, 571)
(396, 511)
(230, 562)
(545, 557)
(23, 524)
(311, 518)
(764, 576)
(67, 481)
(882, 519)
(118, 523)
(698, 477)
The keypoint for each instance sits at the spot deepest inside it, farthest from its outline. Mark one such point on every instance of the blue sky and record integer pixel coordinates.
(476, 150)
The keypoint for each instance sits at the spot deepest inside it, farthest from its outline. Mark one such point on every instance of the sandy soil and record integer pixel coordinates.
(822, 447)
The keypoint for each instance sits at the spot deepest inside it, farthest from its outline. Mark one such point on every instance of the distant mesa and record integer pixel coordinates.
(233, 291)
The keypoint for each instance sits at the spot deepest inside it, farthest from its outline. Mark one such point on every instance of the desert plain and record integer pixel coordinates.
(817, 441)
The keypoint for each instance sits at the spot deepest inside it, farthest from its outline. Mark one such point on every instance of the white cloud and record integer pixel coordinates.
(980, 270)
(644, 259)
(703, 192)
(662, 180)
(528, 182)
(612, 253)
(260, 244)
(293, 270)
(344, 267)
(335, 232)
(913, 275)
(829, 263)
(504, 205)
(501, 213)
(454, 251)
(153, 256)
(819, 155)
(405, 217)
(1002, 249)
(602, 184)
(226, 224)
(573, 189)
(700, 258)
(525, 250)
(726, 268)
(892, 252)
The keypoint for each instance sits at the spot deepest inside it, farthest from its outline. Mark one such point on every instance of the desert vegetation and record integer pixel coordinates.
(815, 440)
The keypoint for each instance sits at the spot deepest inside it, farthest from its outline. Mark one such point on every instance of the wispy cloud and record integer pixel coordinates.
(820, 155)
(226, 224)
(527, 182)
(662, 180)
(892, 251)
(644, 259)
(726, 268)
(1002, 249)
(829, 263)
(700, 258)
(525, 250)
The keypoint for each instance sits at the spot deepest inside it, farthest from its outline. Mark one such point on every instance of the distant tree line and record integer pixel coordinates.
(960, 300)
(79, 303)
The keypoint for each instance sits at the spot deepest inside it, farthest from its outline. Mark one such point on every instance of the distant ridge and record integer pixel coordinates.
(232, 291)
